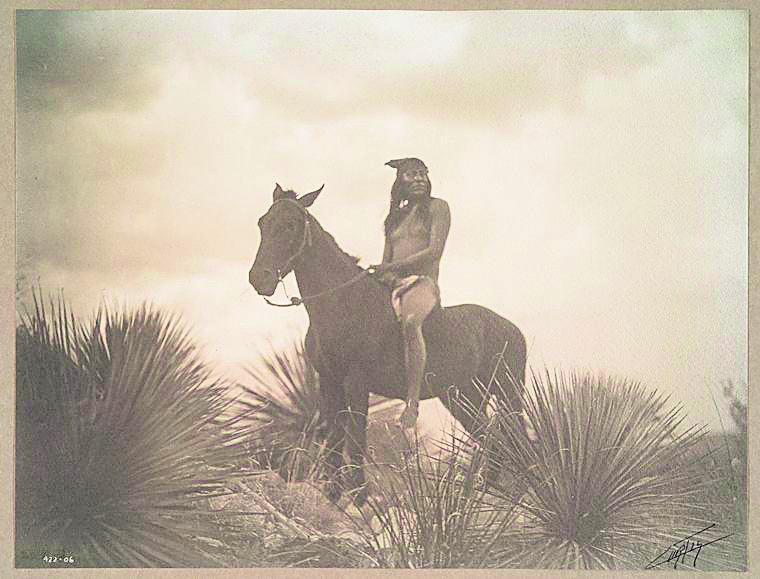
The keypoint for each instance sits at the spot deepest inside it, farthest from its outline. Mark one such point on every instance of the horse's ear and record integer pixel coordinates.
(309, 198)
(278, 192)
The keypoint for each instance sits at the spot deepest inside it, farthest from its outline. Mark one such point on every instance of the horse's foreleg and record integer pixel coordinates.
(357, 396)
(333, 409)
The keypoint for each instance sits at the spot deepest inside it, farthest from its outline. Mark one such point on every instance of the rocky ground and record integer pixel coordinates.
(268, 522)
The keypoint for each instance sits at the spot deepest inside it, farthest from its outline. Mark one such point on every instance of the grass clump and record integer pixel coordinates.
(434, 511)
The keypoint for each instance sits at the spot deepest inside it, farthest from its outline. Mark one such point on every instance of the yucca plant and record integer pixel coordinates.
(605, 481)
(120, 430)
(283, 405)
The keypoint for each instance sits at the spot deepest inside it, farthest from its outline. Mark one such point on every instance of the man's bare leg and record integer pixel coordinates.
(415, 356)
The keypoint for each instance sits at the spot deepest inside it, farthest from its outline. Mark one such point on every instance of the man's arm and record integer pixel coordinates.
(382, 269)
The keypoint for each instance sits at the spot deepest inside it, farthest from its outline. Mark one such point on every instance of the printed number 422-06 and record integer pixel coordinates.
(56, 559)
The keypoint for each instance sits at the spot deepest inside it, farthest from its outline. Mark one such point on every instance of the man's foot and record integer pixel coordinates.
(408, 418)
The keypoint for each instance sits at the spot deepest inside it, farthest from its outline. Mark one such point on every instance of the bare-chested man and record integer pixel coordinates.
(416, 229)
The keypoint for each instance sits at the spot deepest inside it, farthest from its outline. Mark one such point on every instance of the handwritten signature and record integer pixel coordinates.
(678, 551)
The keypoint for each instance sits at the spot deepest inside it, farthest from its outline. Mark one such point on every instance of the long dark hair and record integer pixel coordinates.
(399, 194)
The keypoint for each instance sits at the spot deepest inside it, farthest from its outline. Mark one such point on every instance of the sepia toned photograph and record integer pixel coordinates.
(381, 289)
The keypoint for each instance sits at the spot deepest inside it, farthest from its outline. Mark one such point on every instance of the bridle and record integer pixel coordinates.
(306, 242)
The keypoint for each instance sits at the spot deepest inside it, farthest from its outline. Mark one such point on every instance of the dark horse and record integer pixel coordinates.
(354, 338)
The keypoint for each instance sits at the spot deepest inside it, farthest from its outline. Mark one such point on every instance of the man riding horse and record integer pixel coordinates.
(416, 229)
(466, 353)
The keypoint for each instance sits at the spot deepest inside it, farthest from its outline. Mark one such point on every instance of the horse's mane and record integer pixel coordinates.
(290, 194)
(352, 258)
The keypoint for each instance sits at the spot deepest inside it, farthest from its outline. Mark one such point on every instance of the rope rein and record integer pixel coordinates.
(296, 301)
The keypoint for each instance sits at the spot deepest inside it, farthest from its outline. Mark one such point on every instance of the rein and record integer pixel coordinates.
(296, 301)
(306, 242)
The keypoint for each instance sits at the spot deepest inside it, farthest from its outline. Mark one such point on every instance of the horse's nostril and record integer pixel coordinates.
(263, 280)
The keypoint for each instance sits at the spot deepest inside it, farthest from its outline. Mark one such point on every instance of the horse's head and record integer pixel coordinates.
(285, 234)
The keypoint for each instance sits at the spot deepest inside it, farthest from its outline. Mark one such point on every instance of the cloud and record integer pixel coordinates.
(83, 81)
(475, 67)
(72, 61)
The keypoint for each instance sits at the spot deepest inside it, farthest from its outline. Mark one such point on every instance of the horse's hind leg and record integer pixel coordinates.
(507, 381)
(467, 403)
(504, 377)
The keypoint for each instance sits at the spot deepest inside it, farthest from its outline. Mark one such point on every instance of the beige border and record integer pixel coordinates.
(7, 267)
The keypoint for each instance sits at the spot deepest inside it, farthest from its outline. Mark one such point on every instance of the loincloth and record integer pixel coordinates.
(404, 285)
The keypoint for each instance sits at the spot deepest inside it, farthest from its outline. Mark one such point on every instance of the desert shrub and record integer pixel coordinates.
(120, 430)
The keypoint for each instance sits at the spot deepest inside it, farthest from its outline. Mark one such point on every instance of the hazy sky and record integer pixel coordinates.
(595, 164)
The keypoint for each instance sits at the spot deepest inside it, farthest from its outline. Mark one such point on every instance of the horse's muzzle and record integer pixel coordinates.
(264, 281)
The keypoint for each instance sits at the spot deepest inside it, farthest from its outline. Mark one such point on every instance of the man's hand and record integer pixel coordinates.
(383, 268)
(384, 272)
